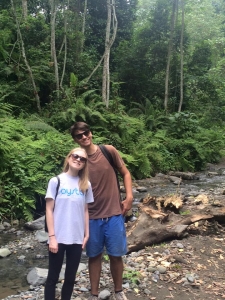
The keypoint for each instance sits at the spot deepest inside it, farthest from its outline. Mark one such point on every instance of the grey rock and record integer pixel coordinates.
(27, 246)
(161, 269)
(105, 294)
(155, 277)
(19, 232)
(82, 267)
(132, 218)
(21, 258)
(151, 269)
(190, 278)
(11, 230)
(180, 246)
(37, 276)
(126, 285)
(141, 189)
(83, 289)
(39, 256)
(166, 252)
(147, 292)
(41, 236)
(36, 225)
(6, 225)
(4, 252)
(175, 180)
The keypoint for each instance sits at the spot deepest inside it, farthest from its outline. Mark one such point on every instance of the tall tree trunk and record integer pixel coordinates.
(111, 22)
(169, 55)
(107, 52)
(182, 59)
(83, 25)
(25, 58)
(65, 45)
(24, 7)
(53, 4)
(105, 76)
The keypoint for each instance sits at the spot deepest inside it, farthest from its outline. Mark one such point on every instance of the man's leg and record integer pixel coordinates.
(116, 246)
(116, 267)
(95, 272)
(94, 249)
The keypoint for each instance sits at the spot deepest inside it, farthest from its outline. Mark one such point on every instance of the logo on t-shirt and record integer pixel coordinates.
(70, 192)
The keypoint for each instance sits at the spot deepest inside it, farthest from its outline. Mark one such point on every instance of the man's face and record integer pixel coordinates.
(83, 138)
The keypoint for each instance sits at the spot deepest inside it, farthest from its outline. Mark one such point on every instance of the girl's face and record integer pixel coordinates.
(77, 160)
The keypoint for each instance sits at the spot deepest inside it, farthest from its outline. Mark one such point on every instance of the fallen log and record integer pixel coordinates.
(150, 229)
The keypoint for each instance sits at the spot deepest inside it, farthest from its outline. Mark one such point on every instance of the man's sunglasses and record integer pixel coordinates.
(80, 135)
(78, 157)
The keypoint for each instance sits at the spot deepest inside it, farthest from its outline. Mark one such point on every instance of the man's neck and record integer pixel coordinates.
(91, 149)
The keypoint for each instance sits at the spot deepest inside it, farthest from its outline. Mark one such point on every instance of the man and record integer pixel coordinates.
(107, 213)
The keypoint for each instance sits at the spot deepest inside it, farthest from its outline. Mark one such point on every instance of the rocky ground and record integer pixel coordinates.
(188, 269)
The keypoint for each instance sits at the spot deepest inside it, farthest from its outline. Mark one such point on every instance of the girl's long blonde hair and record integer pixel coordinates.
(83, 173)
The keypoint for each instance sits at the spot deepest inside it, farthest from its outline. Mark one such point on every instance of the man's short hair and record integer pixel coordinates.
(78, 126)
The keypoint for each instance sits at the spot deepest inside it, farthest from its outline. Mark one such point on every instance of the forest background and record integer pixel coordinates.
(146, 75)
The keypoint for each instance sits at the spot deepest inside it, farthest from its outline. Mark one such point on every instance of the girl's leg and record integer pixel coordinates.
(73, 255)
(55, 265)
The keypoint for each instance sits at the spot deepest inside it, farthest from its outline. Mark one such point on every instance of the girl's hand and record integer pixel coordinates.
(85, 241)
(53, 244)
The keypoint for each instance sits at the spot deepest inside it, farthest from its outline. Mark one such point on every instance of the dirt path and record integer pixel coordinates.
(203, 255)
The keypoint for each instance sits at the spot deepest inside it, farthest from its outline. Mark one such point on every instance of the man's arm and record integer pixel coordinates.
(127, 203)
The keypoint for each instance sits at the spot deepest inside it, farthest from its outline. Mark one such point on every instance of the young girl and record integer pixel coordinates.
(67, 221)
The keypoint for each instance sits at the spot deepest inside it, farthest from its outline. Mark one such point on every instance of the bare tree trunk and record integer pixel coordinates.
(65, 45)
(24, 7)
(83, 25)
(111, 21)
(105, 75)
(53, 49)
(25, 58)
(169, 55)
(182, 59)
(115, 24)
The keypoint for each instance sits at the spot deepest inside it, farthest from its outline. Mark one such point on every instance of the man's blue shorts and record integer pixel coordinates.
(109, 233)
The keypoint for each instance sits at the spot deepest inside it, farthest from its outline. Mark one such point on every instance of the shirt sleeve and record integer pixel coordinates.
(51, 190)
(89, 194)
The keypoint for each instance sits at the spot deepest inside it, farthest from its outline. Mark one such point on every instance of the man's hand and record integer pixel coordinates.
(126, 205)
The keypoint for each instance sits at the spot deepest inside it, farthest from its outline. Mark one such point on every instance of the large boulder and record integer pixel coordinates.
(36, 224)
(37, 276)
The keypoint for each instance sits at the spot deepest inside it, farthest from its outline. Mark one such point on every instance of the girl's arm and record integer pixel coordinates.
(53, 245)
(86, 229)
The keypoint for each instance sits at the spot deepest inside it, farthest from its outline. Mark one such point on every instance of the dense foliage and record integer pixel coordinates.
(35, 116)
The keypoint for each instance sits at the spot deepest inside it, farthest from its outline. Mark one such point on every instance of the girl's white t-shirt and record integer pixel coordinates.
(69, 210)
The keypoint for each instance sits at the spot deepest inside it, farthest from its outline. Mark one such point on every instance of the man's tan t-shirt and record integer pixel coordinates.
(107, 201)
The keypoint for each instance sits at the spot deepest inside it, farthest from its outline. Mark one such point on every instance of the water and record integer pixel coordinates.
(13, 272)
